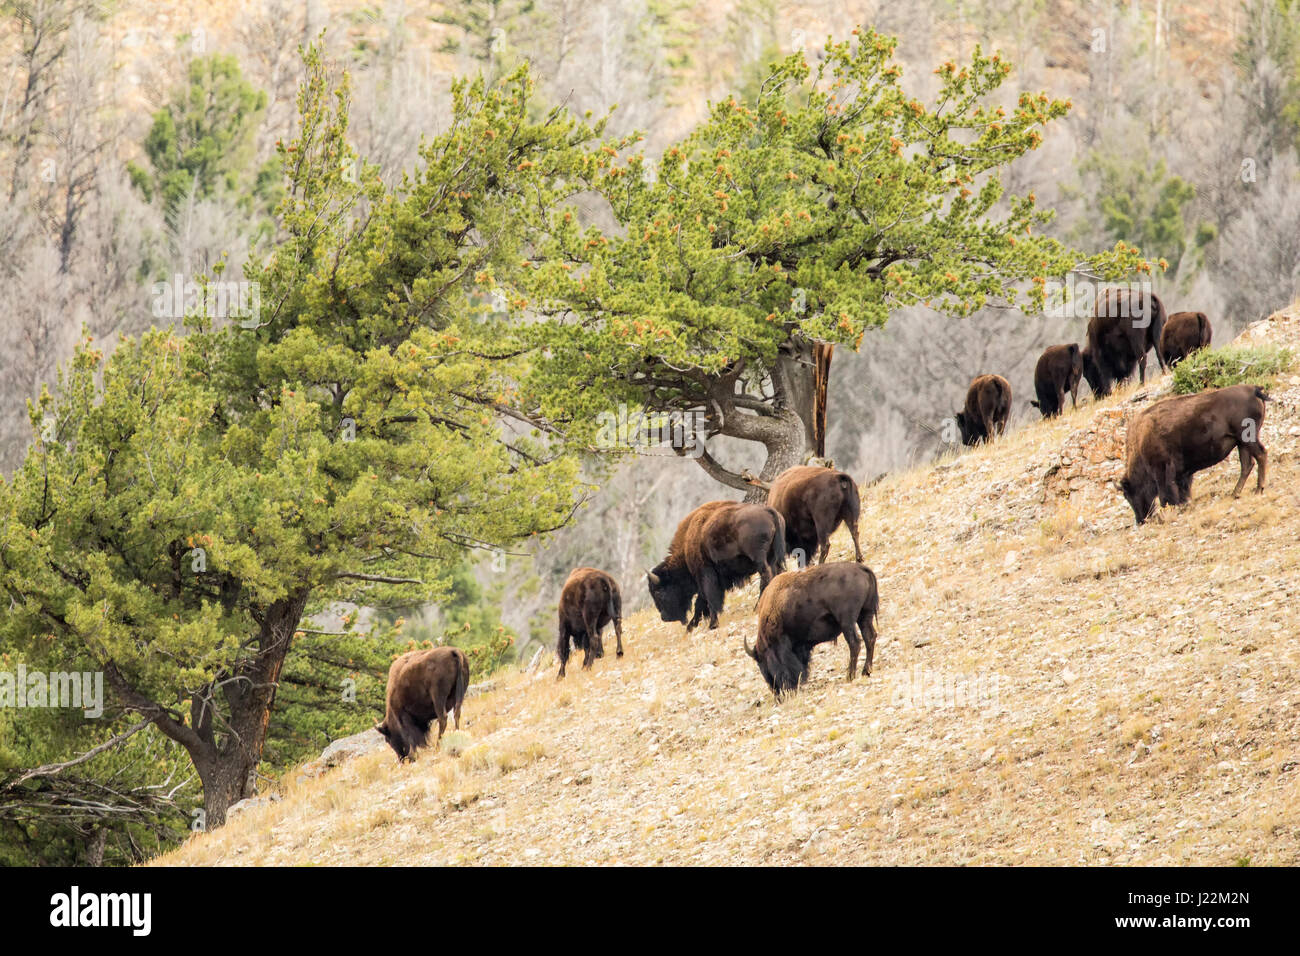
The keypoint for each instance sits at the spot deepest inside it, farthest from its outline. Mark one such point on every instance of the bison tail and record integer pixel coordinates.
(1158, 316)
(776, 553)
(615, 604)
(852, 499)
(873, 601)
(462, 676)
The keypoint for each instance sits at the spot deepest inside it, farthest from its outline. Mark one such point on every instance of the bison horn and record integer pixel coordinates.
(749, 650)
(654, 578)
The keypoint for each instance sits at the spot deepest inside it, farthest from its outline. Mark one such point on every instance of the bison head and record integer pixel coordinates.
(671, 589)
(397, 740)
(780, 665)
(971, 430)
(1141, 496)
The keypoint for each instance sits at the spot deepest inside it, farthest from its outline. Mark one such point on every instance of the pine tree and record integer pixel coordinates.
(786, 224)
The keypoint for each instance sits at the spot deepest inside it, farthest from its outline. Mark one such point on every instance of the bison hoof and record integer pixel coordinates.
(620, 654)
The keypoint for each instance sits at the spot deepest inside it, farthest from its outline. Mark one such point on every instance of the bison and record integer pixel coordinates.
(1184, 333)
(1058, 371)
(1127, 323)
(1177, 437)
(799, 610)
(716, 547)
(988, 406)
(813, 501)
(422, 685)
(589, 600)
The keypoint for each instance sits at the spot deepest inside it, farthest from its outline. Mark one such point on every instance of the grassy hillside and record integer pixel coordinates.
(1052, 685)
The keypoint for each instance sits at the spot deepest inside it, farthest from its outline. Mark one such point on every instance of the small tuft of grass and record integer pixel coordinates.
(1231, 365)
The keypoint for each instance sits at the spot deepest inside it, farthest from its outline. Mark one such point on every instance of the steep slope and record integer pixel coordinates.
(1052, 686)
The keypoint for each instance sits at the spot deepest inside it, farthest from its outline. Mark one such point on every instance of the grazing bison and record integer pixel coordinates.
(716, 547)
(813, 501)
(799, 610)
(422, 685)
(1126, 324)
(1058, 371)
(1184, 333)
(590, 600)
(1177, 437)
(988, 406)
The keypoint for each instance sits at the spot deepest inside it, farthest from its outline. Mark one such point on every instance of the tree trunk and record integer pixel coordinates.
(791, 427)
(228, 768)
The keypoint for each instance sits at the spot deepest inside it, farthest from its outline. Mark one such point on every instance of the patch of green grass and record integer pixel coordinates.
(1231, 365)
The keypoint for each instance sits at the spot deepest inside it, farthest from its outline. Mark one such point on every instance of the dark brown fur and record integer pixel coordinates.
(1177, 437)
(715, 548)
(589, 600)
(802, 609)
(1184, 333)
(988, 407)
(1127, 324)
(813, 501)
(422, 685)
(1059, 370)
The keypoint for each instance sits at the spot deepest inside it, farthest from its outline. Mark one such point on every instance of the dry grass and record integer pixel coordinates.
(1052, 686)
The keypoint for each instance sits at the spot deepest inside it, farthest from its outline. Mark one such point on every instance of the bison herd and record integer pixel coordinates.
(1168, 442)
(722, 544)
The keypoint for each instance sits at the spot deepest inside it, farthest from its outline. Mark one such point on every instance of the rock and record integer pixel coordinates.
(349, 748)
(250, 803)
(344, 749)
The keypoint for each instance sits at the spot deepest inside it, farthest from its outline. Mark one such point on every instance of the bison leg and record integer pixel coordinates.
(618, 634)
(711, 594)
(855, 646)
(853, 533)
(1168, 488)
(1261, 456)
(595, 646)
(440, 708)
(1074, 397)
(1247, 455)
(697, 615)
(866, 621)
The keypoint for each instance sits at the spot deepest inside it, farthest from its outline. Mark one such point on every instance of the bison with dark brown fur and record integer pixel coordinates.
(1184, 333)
(716, 547)
(589, 600)
(813, 501)
(422, 685)
(802, 609)
(1127, 324)
(1177, 437)
(988, 406)
(1058, 371)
